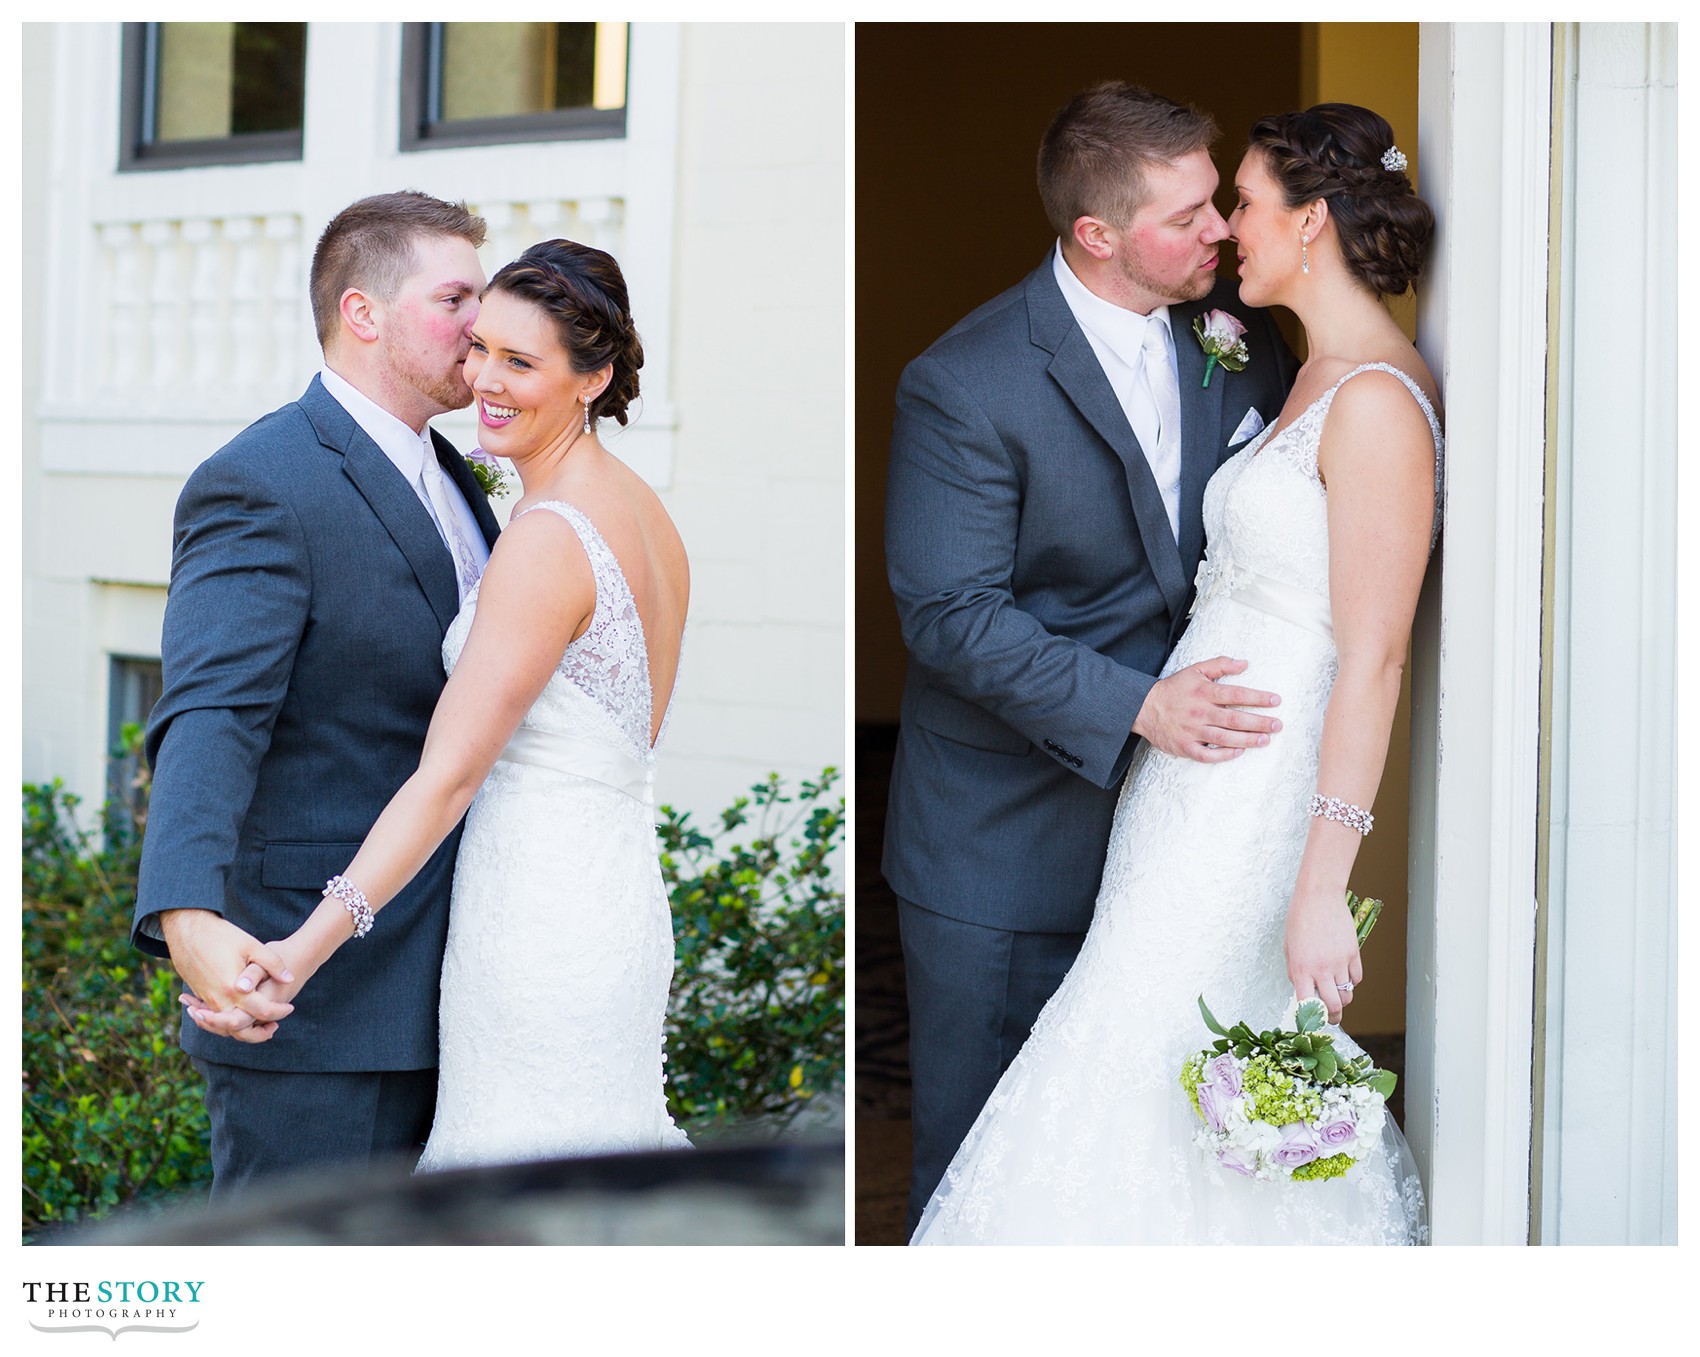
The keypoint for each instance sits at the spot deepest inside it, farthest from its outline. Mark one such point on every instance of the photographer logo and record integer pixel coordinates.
(113, 1307)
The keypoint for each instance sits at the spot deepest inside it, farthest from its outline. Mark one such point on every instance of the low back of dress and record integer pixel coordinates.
(560, 909)
(607, 668)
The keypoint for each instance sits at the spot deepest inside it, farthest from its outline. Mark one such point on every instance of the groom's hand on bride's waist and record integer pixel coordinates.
(210, 954)
(1191, 715)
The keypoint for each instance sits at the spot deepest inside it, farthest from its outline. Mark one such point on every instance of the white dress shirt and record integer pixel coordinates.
(408, 451)
(1117, 337)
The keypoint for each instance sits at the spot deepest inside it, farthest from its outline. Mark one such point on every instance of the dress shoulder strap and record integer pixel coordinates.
(1434, 429)
(1411, 385)
(604, 566)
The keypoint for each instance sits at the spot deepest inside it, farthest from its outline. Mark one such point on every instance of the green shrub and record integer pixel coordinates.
(756, 1026)
(112, 1108)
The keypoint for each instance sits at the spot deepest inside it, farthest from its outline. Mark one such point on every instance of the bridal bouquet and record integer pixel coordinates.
(1284, 1104)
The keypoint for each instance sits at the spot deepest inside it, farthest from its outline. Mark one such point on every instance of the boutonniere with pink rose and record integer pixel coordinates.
(1222, 338)
(491, 475)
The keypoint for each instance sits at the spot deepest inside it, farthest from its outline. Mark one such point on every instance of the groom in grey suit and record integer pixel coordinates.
(317, 560)
(1043, 528)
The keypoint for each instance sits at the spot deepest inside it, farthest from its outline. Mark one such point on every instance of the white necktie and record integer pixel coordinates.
(1165, 457)
(448, 523)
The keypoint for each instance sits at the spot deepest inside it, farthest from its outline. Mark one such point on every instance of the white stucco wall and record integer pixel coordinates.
(150, 293)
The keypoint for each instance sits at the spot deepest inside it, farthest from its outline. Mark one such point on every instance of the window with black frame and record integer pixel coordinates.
(212, 94)
(133, 686)
(480, 84)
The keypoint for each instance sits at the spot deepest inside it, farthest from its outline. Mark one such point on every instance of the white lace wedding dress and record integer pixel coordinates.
(1088, 1137)
(560, 946)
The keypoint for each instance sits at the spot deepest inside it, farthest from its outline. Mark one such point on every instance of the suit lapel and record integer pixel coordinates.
(392, 499)
(1075, 368)
(1201, 429)
(455, 467)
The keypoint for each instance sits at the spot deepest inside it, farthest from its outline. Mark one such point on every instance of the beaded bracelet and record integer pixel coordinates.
(1332, 808)
(354, 901)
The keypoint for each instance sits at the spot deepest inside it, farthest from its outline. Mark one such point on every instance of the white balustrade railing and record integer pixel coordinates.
(211, 313)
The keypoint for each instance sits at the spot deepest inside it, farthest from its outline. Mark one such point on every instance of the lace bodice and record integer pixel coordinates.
(609, 663)
(1266, 509)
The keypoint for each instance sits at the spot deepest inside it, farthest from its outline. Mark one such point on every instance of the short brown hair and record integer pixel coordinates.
(1093, 158)
(369, 245)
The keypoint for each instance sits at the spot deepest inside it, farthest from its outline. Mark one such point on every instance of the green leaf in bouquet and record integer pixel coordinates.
(1364, 914)
(1327, 1064)
(1210, 1019)
(1311, 1015)
(1382, 1081)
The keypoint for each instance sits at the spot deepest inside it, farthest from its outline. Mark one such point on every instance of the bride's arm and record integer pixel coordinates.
(538, 594)
(1377, 460)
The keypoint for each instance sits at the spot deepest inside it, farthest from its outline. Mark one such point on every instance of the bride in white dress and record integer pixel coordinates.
(1220, 880)
(561, 662)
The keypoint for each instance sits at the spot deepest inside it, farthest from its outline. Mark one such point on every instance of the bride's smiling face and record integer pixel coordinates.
(1266, 234)
(528, 395)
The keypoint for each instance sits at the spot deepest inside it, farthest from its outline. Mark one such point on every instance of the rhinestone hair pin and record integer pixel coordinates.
(1393, 159)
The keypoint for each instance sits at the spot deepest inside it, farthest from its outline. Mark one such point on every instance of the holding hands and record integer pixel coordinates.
(219, 963)
(266, 976)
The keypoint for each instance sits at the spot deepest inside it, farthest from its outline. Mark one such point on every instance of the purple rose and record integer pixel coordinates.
(1238, 1159)
(1214, 1104)
(1217, 1091)
(1224, 1072)
(1338, 1133)
(483, 458)
(1299, 1145)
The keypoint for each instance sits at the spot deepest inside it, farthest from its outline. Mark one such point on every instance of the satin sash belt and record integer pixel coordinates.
(1288, 602)
(580, 758)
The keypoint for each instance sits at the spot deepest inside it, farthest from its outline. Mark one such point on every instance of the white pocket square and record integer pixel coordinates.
(1250, 427)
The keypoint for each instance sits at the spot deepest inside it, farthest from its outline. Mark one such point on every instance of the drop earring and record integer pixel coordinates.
(1304, 248)
(587, 404)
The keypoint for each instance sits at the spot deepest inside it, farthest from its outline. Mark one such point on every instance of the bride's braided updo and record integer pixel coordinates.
(1335, 151)
(584, 293)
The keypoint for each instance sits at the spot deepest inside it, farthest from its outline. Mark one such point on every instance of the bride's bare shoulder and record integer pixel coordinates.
(1410, 362)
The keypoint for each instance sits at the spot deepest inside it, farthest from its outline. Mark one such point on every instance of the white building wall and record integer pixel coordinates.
(1610, 1109)
(1592, 1142)
(170, 310)
(758, 486)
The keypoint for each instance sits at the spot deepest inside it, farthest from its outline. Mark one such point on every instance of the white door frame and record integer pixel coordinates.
(1606, 1129)
(1485, 131)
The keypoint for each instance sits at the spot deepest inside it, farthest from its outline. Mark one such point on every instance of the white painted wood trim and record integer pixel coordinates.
(1484, 128)
(1609, 1131)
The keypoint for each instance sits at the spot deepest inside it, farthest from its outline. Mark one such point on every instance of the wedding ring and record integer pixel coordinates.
(1344, 986)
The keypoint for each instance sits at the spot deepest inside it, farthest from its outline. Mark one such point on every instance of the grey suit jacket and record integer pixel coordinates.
(310, 592)
(1040, 590)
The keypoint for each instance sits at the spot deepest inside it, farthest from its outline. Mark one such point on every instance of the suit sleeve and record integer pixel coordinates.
(953, 508)
(237, 607)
